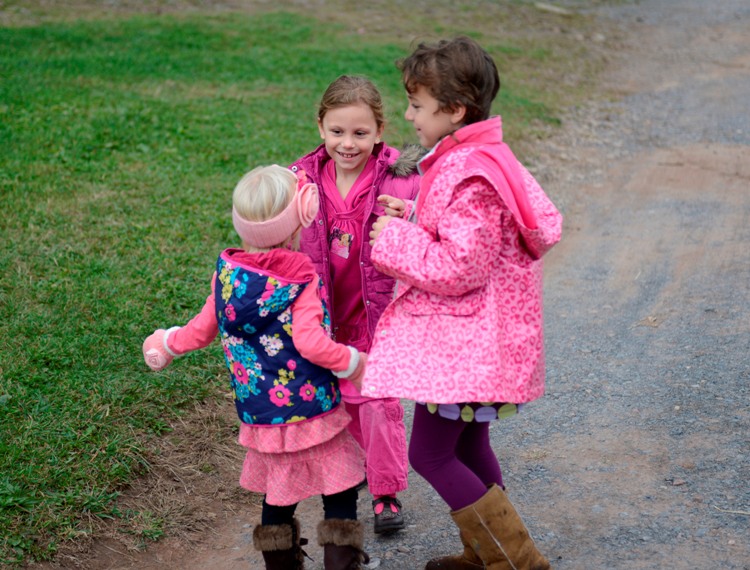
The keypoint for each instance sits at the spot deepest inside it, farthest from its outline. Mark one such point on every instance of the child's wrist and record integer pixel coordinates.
(353, 362)
(165, 342)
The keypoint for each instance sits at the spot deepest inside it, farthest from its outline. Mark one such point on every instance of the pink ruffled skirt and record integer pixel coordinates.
(293, 462)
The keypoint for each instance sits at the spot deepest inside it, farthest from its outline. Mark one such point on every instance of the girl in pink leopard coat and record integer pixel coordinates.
(464, 336)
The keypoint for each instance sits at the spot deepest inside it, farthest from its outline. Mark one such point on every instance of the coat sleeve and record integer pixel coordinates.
(408, 209)
(309, 336)
(454, 260)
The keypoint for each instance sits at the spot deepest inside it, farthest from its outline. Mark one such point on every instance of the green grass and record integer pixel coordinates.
(122, 138)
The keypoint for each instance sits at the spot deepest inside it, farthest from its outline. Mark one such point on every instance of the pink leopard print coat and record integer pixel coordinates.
(466, 324)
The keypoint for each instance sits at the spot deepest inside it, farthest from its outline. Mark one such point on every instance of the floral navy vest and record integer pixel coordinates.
(272, 383)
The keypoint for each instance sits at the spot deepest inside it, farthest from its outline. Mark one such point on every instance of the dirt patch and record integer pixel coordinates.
(191, 487)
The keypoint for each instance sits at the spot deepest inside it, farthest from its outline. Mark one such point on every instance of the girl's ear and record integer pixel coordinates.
(320, 129)
(458, 114)
(379, 134)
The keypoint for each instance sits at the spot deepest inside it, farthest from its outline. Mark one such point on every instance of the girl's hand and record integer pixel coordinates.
(394, 207)
(359, 372)
(378, 227)
(156, 356)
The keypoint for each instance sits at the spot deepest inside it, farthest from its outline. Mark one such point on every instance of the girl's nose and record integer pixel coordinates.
(407, 114)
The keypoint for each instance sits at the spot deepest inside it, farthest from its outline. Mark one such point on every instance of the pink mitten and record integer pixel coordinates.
(154, 352)
(359, 372)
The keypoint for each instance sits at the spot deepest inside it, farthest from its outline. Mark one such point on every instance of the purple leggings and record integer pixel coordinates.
(454, 456)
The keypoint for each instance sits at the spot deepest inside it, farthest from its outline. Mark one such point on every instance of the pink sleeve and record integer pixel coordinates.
(310, 337)
(408, 209)
(454, 261)
(199, 332)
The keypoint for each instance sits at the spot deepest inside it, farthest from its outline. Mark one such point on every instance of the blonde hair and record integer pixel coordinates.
(264, 192)
(350, 90)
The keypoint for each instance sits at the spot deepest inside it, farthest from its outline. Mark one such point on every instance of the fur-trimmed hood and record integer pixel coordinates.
(406, 163)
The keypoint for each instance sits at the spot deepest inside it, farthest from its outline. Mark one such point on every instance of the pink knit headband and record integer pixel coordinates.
(301, 211)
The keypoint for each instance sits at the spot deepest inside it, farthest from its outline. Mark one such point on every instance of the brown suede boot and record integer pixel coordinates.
(466, 561)
(497, 534)
(342, 541)
(281, 546)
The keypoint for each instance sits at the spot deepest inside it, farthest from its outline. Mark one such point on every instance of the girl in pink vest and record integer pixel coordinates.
(284, 372)
(360, 178)
(464, 335)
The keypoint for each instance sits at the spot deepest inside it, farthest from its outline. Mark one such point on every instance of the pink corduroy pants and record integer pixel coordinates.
(378, 426)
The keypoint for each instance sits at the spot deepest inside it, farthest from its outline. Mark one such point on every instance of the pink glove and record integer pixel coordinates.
(359, 372)
(155, 353)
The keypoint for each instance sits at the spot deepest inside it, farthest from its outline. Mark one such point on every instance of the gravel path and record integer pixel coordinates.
(639, 455)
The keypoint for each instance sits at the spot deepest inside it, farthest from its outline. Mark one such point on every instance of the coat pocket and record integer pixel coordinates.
(310, 241)
(419, 302)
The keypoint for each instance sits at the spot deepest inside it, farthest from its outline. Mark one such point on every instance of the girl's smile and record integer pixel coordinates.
(350, 133)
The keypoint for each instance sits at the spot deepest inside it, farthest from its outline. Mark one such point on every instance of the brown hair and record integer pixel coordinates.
(349, 90)
(455, 72)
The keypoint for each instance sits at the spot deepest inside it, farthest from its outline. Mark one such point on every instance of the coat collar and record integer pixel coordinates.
(484, 132)
(283, 263)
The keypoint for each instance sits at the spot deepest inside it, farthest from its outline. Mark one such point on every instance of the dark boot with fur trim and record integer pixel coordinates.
(281, 546)
(342, 541)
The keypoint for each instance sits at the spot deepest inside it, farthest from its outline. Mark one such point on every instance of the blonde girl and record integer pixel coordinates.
(284, 371)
